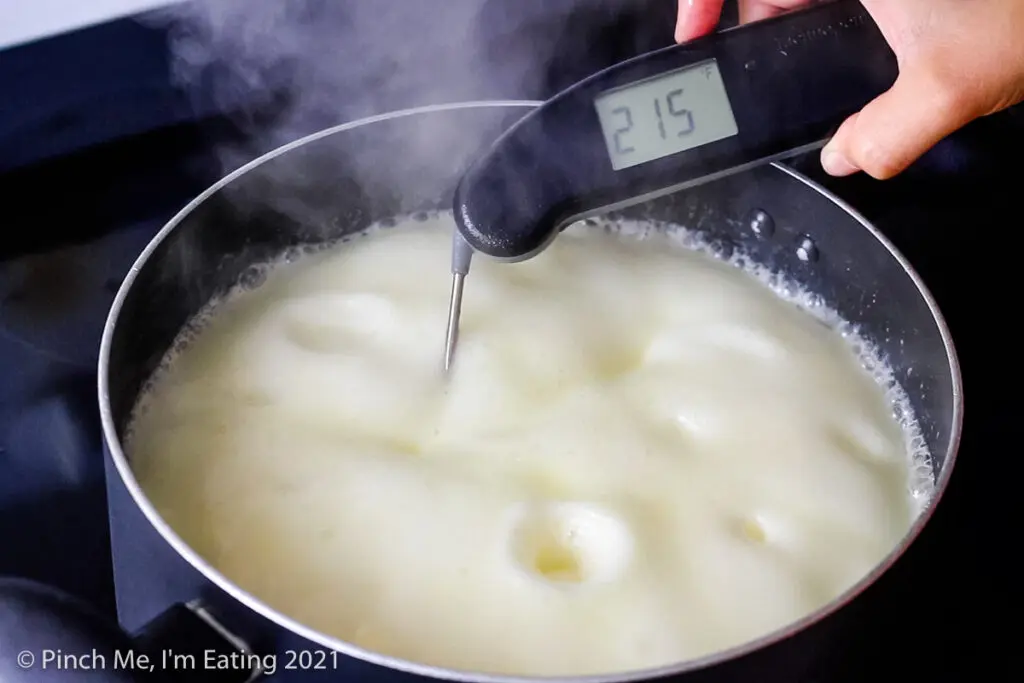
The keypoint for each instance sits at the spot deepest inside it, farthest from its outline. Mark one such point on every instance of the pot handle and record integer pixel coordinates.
(47, 635)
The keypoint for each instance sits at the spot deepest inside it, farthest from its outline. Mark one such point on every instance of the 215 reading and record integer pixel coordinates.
(666, 114)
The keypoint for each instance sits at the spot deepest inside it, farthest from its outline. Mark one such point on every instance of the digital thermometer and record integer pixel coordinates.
(673, 118)
(667, 120)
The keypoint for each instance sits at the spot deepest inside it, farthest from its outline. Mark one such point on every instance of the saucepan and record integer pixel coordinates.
(339, 181)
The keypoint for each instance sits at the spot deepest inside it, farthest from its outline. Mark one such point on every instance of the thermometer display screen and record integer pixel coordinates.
(666, 114)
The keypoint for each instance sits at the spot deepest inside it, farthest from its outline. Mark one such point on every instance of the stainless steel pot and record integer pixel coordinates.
(338, 181)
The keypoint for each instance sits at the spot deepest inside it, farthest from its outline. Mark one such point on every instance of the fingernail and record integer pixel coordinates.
(683, 20)
(680, 32)
(836, 164)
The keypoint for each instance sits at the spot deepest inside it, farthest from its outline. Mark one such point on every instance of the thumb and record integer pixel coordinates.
(896, 128)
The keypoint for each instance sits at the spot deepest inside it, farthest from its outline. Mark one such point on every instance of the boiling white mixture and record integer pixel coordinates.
(644, 454)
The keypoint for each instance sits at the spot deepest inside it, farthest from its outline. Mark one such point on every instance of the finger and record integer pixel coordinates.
(834, 159)
(895, 129)
(697, 18)
(756, 10)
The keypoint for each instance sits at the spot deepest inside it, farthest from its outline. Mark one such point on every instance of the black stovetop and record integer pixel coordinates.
(73, 227)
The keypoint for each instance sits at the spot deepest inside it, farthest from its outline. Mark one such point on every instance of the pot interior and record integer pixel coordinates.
(338, 183)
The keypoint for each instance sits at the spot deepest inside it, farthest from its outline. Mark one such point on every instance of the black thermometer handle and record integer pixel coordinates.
(788, 81)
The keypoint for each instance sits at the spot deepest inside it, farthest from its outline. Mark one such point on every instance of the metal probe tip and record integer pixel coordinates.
(454, 311)
(462, 254)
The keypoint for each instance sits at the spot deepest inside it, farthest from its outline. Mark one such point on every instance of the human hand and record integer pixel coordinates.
(958, 61)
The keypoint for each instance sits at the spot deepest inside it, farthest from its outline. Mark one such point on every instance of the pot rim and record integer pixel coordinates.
(253, 603)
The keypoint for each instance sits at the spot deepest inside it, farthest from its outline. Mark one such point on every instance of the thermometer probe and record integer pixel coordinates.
(665, 121)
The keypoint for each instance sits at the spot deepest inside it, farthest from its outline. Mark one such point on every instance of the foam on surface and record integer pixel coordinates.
(643, 454)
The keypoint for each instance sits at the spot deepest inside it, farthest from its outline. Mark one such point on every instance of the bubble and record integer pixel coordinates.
(569, 543)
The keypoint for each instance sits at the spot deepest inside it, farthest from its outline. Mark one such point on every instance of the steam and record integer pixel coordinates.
(284, 69)
(318, 63)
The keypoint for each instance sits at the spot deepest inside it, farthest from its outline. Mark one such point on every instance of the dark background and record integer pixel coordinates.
(98, 149)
